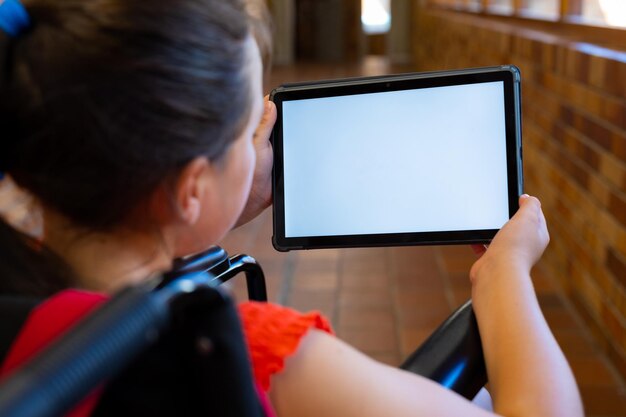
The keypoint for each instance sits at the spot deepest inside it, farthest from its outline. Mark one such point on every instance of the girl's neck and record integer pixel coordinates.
(108, 261)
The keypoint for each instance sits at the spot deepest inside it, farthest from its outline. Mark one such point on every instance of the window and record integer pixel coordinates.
(609, 12)
(473, 5)
(501, 6)
(375, 16)
(542, 9)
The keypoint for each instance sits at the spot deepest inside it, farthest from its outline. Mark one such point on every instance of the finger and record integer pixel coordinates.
(269, 111)
(529, 199)
(523, 198)
(264, 130)
(529, 204)
(530, 208)
(479, 249)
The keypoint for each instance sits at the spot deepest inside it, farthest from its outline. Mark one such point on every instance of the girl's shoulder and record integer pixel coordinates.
(273, 333)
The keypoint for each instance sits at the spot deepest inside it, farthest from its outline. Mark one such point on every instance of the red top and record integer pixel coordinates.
(272, 333)
(46, 322)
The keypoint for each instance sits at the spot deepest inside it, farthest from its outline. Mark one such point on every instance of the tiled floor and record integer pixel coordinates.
(386, 301)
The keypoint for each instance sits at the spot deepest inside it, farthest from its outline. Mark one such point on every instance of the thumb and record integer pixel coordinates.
(264, 130)
(529, 202)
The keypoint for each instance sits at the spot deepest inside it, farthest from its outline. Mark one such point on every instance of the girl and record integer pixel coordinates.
(141, 129)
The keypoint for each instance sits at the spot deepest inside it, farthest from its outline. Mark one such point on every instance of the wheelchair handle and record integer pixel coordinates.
(255, 278)
(216, 262)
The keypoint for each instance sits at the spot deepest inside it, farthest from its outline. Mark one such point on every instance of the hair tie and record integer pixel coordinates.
(14, 18)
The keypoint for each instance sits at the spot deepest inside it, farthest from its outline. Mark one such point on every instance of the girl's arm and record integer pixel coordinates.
(326, 377)
(527, 371)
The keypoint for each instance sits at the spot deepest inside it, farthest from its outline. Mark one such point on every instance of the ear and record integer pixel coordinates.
(192, 185)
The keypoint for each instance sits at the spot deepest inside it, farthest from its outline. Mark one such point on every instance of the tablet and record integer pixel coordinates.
(411, 159)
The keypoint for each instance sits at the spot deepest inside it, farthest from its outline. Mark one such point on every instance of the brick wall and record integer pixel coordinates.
(574, 138)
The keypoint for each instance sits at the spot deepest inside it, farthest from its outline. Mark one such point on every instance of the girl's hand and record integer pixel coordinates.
(261, 192)
(521, 241)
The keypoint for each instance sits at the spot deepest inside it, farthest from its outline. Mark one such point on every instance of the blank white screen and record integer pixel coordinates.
(407, 161)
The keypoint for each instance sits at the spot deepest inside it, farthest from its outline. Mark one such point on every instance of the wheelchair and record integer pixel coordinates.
(183, 327)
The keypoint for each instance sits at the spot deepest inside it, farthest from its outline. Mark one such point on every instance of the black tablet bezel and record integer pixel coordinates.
(510, 76)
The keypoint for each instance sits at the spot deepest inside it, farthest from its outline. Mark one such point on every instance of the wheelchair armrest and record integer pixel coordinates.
(453, 354)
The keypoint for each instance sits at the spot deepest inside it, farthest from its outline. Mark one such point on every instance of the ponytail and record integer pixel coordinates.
(5, 116)
(14, 21)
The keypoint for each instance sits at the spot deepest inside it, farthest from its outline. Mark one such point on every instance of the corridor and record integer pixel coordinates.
(386, 301)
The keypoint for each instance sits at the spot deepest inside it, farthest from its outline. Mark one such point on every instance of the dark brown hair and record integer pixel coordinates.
(102, 99)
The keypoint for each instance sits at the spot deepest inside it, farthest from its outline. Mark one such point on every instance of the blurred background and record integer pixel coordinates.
(572, 54)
